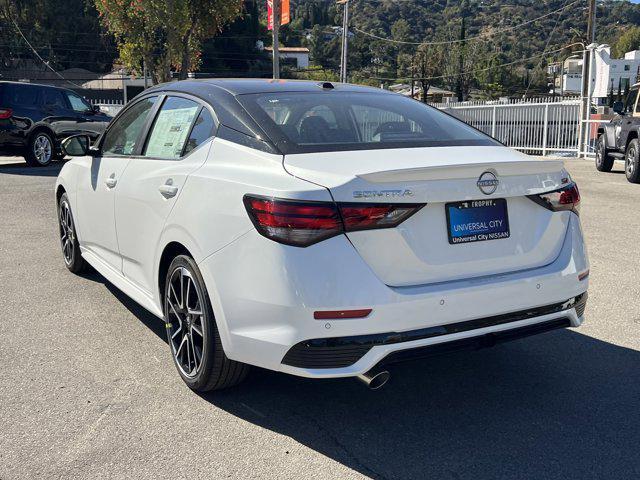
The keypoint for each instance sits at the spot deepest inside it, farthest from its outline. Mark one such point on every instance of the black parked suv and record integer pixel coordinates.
(34, 119)
(619, 139)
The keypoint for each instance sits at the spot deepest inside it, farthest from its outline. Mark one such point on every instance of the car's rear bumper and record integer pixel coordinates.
(265, 294)
(326, 353)
(12, 140)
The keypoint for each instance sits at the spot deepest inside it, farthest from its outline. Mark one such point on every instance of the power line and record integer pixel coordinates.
(476, 37)
(555, 25)
(481, 69)
(38, 55)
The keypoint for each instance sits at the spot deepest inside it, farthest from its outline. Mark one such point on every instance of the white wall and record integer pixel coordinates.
(604, 70)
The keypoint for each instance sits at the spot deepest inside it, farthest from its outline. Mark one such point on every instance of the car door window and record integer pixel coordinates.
(52, 98)
(171, 128)
(631, 100)
(201, 131)
(78, 104)
(123, 135)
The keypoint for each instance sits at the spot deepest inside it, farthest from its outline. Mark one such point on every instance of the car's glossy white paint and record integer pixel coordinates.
(264, 293)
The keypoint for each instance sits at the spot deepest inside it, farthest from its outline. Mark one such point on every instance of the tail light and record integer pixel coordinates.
(566, 198)
(5, 113)
(303, 223)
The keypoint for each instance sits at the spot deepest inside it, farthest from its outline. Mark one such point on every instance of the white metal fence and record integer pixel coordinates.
(540, 126)
(110, 107)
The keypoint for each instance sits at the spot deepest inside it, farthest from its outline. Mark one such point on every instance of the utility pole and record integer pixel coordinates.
(276, 41)
(345, 40)
(591, 22)
(413, 82)
(586, 76)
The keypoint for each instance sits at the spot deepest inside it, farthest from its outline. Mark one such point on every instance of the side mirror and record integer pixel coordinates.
(618, 107)
(95, 108)
(76, 145)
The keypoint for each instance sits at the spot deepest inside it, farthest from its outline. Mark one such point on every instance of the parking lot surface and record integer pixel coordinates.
(88, 388)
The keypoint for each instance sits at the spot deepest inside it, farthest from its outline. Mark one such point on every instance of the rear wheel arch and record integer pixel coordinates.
(43, 128)
(170, 251)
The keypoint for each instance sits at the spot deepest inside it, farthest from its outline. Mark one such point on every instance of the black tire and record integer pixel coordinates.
(68, 239)
(41, 149)
(632, 161)
(215, 370)
(604, 162)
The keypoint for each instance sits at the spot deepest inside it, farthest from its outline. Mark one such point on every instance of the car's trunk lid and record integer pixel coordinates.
(419, 250)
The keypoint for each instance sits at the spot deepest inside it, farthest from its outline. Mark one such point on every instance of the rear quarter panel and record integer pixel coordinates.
(210, 214)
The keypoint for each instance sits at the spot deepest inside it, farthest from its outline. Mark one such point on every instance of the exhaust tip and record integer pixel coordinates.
(374, 381)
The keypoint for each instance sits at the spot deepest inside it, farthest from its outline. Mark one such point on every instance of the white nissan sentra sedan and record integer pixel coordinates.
(318, 229)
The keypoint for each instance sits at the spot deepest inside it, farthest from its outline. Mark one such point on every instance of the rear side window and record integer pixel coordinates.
(631, 99)
(52, 98)
(300, 122)
(201, 131)
(124, 133)
(20, 95)
(171, 128)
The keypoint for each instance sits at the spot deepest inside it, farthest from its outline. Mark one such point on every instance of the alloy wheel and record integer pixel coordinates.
(185, 321)
(631, 155)
(42, 149)
(599, 153)
(67, 236)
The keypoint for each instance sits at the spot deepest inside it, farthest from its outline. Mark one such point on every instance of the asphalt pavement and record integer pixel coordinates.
(88, 389)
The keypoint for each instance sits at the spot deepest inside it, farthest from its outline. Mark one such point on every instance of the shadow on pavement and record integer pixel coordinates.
(560, 405)
(152, 322)
(21, 168)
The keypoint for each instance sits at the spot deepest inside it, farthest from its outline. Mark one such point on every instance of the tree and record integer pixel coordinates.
(65, 33)
(428, 65)
(628, 41)
(141, 34)
(192, 21)
(165, 33)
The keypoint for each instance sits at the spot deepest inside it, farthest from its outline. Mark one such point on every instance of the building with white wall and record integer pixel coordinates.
(298, 55)
(607, 73)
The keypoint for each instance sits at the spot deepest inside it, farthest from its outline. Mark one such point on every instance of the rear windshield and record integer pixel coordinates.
(301, 122)
(13, 95)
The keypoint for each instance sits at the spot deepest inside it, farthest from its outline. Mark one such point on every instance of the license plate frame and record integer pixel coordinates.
(479, 219)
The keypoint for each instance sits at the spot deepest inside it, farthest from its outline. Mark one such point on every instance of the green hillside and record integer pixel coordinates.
(69, 34)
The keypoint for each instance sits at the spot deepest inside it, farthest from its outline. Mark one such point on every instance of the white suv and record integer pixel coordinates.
(320, 230)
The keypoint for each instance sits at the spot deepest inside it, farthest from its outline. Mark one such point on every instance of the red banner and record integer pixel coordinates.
(285, 16)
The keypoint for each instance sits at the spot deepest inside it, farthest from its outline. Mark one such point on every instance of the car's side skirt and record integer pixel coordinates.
(122, 283)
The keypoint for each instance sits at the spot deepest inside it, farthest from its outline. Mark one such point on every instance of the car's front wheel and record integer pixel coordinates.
(68, 238)
(632, 161)
(192, 331)
(604, 162)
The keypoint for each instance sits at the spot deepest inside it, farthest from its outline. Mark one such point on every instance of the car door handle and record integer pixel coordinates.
(168, 190)
(111, 181)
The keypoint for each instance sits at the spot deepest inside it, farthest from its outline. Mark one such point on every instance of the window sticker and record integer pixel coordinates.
(170, 132)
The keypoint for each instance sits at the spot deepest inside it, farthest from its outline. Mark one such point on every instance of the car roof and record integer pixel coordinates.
(31, 84)
(242, 86)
